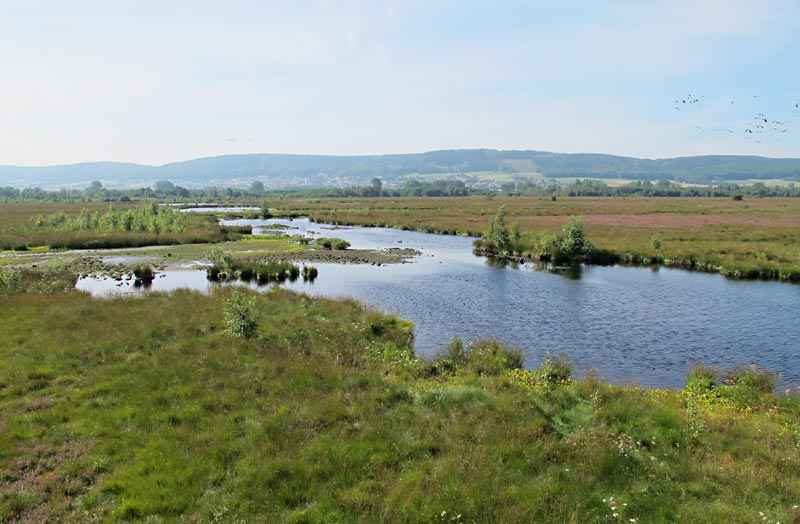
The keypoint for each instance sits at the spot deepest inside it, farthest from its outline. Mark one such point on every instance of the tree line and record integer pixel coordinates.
(413, 187)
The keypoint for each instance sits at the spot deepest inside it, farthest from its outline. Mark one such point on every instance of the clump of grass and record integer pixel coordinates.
(10, 279)
(337, 244)
(554, 372)
(479, 357)
(702, 379)
(226, 268)
(743, 387)
(144, 274)
(309, 273)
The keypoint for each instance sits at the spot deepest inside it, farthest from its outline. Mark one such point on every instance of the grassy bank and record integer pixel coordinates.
(324, 415)
(746, 239)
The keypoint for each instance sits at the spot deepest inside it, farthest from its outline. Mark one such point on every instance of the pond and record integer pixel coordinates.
(631, 325)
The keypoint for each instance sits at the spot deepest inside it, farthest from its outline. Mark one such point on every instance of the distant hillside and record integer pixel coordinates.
(276, 170)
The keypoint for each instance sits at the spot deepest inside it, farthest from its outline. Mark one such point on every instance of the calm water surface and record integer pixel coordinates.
(631, 325)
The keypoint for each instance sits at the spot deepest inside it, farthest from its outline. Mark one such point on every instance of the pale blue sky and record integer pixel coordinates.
(154, 82)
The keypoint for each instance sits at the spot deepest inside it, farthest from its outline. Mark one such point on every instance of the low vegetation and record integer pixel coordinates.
(28, 226)
(753, 238)
(278, 407)
(336, 244)
(225, 267)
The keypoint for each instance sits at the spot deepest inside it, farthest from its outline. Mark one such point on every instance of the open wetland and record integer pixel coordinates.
(645, 326)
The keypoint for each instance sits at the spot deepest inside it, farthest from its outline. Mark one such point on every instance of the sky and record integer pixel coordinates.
(157, 81)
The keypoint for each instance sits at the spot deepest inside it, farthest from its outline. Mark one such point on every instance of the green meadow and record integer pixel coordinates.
(150, 409)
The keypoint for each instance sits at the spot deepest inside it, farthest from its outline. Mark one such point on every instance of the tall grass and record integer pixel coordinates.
(64, 226)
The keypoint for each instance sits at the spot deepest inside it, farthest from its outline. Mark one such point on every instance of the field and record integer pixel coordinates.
(326, 416)
(755, 236)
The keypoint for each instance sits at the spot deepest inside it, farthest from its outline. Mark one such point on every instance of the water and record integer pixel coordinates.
(218, 209)
(631, 325)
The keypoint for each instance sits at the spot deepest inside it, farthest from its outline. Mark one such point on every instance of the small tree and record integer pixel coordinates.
(516, 231)
(256, 188)
(237, 313)
(497, 236)
(264, 210)
(572, 242)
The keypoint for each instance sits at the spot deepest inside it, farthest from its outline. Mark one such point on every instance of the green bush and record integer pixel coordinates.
(480, 357)
(490, 357)
(309, 273)
(742, 386)
(222, 261)
(237, 311)
(451, 359)
(144, 273)
(752, 378)
(336, 244)
(655, 242)
(701, 379)
(10, 279)
(572, 242)
(554, 372)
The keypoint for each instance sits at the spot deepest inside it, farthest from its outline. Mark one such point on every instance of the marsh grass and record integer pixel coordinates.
(88, 226)
(754, 239)
(145, 409)
(226, 268)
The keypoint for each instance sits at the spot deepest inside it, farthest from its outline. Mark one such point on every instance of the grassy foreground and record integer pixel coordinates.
(144, 409)
(750, 238)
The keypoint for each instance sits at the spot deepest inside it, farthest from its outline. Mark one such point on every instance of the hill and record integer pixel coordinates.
(281, 171)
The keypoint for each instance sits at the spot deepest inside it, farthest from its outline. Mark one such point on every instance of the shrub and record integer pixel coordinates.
(10, 279)
(453, 357)
(554, 372)
(655, 242)
(572, 241)
(337, 244)
(309, 273)
(490, 357)
(237, 311)
(223, 262)
(264, 210)
(144, 273)
(752, 378)
(701, 379)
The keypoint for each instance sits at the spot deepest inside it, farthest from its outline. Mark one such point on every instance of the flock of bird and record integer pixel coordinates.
(757, 129)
